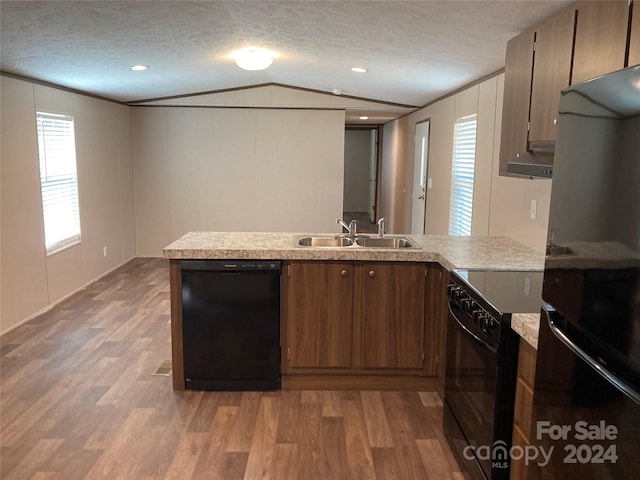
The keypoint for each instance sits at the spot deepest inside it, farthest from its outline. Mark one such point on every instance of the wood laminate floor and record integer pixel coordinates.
(78, 401)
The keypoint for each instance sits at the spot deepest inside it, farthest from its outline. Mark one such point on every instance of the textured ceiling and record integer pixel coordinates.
(415, 51)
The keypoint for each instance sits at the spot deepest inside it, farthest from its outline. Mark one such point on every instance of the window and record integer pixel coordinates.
(58, 180)
(464, 159)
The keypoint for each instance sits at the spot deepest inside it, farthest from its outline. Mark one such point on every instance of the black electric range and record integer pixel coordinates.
(481, 365)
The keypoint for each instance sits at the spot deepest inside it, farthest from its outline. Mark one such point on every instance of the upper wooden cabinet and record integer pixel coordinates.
(517, 94)
(601, 39)
(583, 41)
(321, 314)
(551, 73)
(634, 44)
(393, 315)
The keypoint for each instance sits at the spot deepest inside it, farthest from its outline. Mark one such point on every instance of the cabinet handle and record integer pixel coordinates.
(372, 274)
(343, 274)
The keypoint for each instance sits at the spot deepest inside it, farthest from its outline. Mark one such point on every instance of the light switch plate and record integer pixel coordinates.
(534, 209)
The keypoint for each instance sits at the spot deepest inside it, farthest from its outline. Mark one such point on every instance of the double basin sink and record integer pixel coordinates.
(359, 241)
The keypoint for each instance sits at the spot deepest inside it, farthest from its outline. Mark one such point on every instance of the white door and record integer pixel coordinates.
(373, 169)
(419, 193)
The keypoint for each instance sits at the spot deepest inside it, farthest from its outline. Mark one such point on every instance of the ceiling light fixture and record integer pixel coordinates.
(364, 118)
(253, 58)
(358, 69)
(336, 91)
(139, 68)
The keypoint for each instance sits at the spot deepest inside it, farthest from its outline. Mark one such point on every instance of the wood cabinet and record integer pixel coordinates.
(551, 73)
(537, 67)
(393, 299)
(601, 38)
(634, 42)
(321, 313)
(585, 40)
(356, 318)
(437, 313)
(523, 409)
(517, 95)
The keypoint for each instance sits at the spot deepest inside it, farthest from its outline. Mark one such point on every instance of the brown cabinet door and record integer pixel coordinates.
(551, 73)
(321, 314)
(436, 321)
(601, 39)
(517, 93)
(393, 315)
(634, 44)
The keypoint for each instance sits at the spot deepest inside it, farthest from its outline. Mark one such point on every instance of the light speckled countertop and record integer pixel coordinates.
(527, 325)
(472, 253)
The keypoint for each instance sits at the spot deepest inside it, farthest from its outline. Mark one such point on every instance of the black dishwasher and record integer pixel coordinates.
(231, 324)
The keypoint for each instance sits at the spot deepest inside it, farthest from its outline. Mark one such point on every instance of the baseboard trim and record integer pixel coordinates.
(62, 299)
(360, 382)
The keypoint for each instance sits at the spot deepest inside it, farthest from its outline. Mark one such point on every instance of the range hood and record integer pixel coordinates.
(536, 163)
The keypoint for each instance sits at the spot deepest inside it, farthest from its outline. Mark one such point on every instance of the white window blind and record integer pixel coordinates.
(462, 175)
(58, 180)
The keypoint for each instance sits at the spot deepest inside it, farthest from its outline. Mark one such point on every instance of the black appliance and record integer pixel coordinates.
(481, 366)
(586, 404)
(231, 324)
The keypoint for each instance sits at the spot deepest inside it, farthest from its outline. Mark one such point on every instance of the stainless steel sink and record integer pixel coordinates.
(360, 241)
(388, 242)
(558, 250)
(325, 242)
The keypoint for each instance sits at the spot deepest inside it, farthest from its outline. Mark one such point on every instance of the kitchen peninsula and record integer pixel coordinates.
(354, 346)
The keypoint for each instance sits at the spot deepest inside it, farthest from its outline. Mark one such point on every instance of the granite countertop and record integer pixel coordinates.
(527, 325)
(472, 253)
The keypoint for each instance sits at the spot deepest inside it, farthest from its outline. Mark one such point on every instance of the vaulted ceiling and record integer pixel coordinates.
(414, 51)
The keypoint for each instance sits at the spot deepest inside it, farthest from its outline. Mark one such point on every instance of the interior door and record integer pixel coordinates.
(373, 170)
(419, 194)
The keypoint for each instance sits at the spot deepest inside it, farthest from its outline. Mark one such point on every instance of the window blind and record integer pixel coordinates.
(462, 175)
(58, 180)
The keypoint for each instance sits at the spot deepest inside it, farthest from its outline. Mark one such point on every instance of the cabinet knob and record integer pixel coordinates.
(372, 274)
(555, 121)
(343, 274)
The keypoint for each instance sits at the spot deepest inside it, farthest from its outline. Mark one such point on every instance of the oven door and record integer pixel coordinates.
(472, 385)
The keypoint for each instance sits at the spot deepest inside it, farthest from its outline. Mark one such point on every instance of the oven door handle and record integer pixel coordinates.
(474, 337)
(555, 320)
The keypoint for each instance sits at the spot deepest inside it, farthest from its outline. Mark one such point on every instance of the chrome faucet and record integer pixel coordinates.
(381, 227)
(351, 228)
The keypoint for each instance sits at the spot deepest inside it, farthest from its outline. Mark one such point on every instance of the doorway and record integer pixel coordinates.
(361, 176)
(420, 182)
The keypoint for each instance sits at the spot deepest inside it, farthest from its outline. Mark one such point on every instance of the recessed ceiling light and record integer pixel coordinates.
(139, 68)
(358, 69)
(364, 118)
(253, 58)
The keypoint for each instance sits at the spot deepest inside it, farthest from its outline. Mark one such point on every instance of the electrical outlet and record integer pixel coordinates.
(104, 252)
(429, 183)
(534, 209)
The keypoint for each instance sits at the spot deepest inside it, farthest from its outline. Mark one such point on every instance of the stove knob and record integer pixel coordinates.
(466, 304)
(479, 317)
(489, 322)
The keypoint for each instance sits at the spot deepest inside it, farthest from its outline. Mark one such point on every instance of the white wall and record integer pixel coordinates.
(501, 204)
(357, 154)
(395, 178)
(226, 169)
(31, 279)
